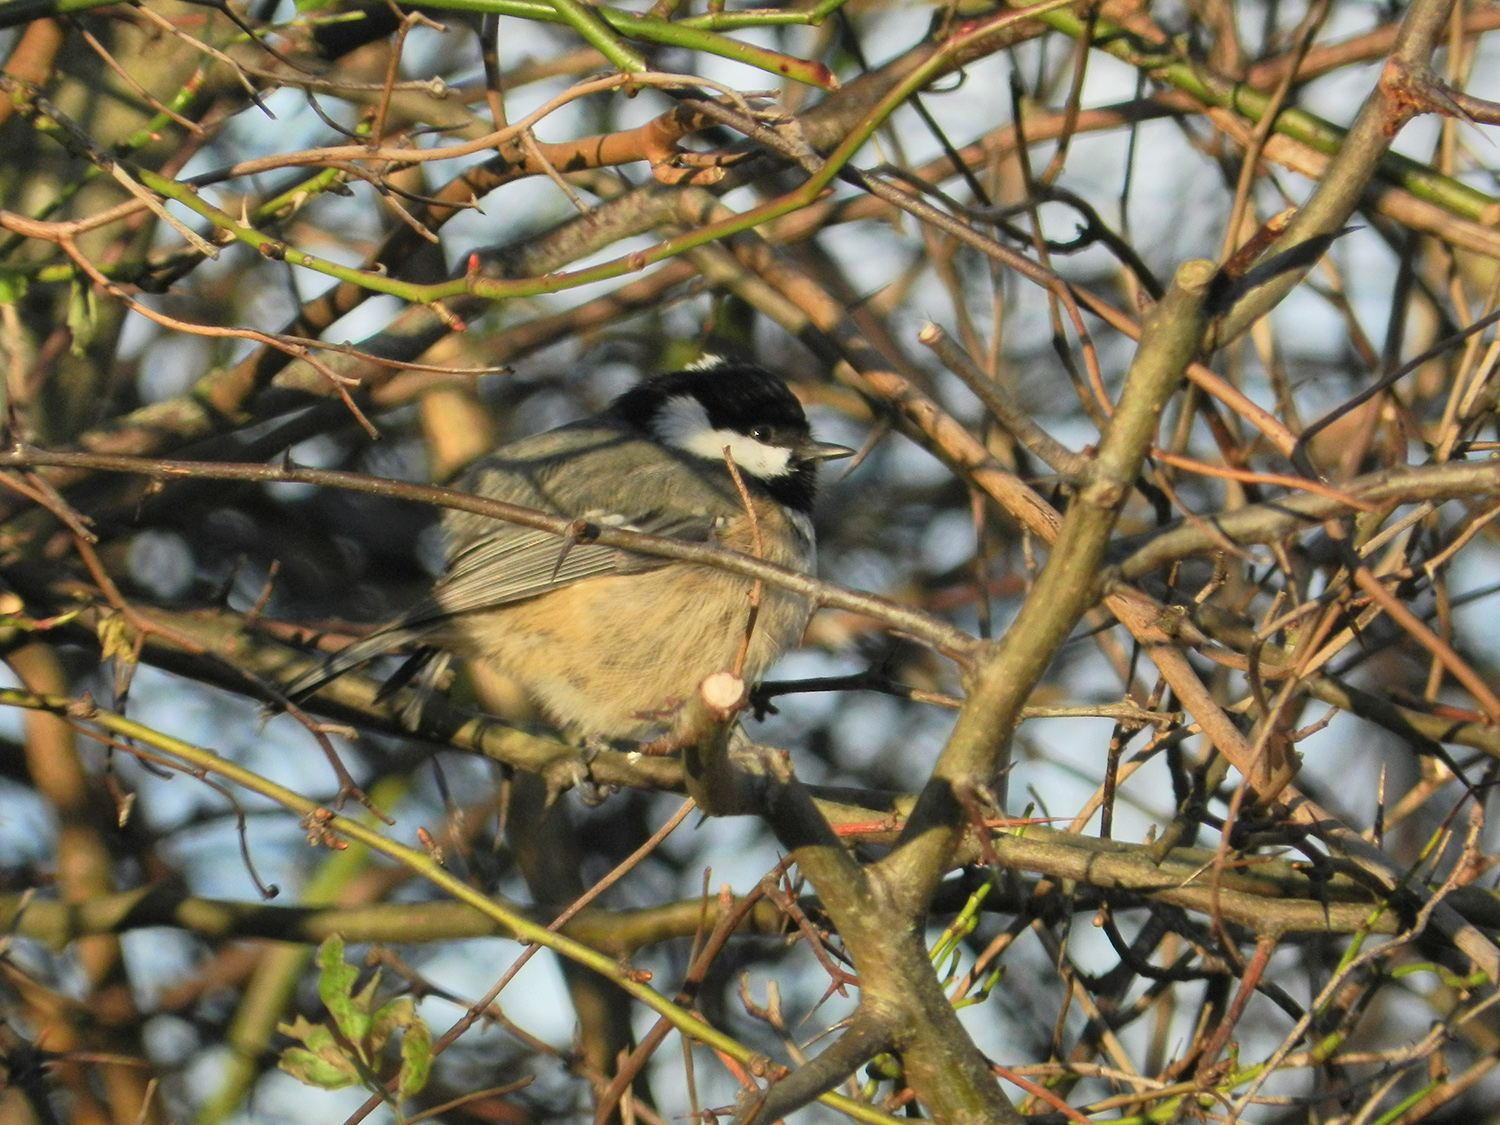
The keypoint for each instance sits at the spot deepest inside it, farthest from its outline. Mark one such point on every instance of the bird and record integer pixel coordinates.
(608, 643)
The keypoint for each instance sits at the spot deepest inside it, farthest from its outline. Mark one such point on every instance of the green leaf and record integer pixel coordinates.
(323, 1062)
(355, 1053)
(416, 1059)
(116, 640)
(13, 286)
(314, 1070)
(335, 979)
(83, 315)
(351, 1013)
(334, 974)
(398, 1012)
(354, 1020)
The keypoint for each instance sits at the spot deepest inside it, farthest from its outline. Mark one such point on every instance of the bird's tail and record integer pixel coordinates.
(397, 635)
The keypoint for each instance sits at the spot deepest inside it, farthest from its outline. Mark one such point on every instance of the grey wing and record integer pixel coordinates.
(513, 563)
(506, 565)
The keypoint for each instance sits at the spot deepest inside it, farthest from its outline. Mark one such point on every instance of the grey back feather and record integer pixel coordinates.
(605, 474)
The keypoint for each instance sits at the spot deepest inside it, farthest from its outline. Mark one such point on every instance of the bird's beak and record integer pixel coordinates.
(823, 451)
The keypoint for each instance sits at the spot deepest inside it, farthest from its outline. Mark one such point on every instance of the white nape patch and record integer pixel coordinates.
(707, 362)
(683, 423)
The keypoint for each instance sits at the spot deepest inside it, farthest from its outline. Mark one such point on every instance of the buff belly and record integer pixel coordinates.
(613, 657)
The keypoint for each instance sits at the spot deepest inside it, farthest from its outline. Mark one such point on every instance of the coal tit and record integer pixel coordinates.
(608, 643)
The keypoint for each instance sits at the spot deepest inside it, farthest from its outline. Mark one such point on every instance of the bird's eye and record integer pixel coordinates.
(761, 433)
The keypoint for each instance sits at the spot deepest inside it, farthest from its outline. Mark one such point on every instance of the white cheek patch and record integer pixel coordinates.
(683, 423)
(751, 456)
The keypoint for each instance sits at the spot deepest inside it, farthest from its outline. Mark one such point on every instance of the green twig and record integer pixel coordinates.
(585, 19)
